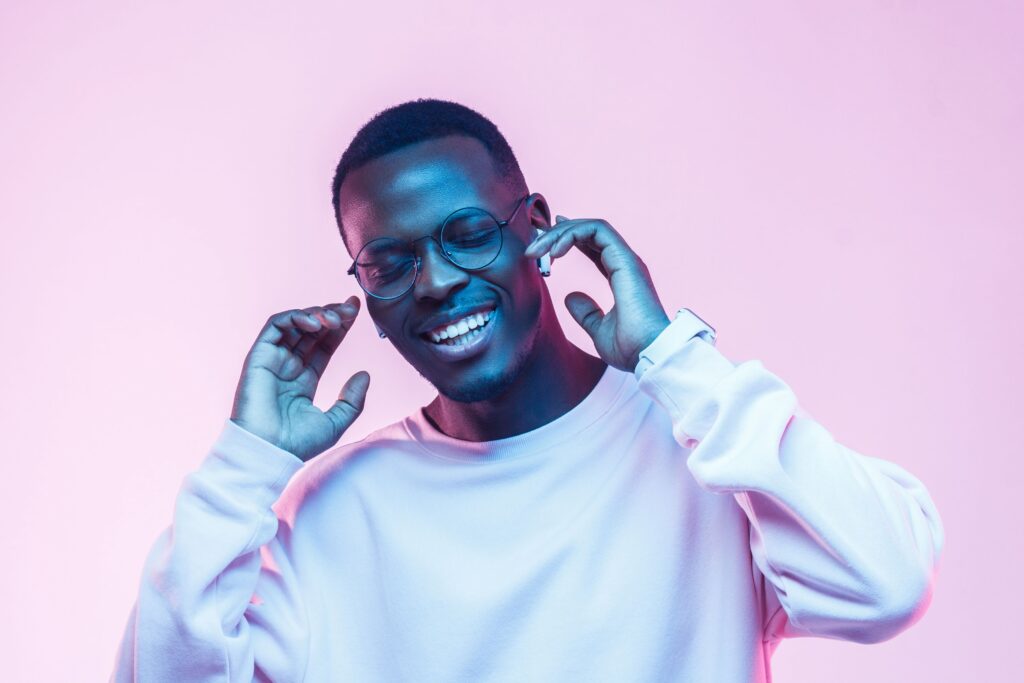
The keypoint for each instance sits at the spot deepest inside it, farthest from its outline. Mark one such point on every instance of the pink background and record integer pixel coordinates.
(837, 188)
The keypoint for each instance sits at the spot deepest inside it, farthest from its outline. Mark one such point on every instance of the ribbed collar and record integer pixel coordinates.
(608, 391)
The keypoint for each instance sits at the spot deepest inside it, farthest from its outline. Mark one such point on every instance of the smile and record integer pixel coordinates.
(461, 331)
(465, 338)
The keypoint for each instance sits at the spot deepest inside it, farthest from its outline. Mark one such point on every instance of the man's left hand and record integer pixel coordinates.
(636, 317)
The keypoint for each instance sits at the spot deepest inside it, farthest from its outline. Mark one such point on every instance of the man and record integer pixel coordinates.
(655, 513)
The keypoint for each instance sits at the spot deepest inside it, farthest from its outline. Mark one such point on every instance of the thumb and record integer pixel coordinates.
(584, 311)
(350, 401)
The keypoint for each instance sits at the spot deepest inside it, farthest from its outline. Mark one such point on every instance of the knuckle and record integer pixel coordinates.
(348, 411)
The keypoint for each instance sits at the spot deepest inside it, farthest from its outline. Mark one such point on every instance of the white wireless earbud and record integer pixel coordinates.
(544, 262)
(380, 332)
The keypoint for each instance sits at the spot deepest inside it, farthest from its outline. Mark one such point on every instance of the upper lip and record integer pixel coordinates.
(448, 317)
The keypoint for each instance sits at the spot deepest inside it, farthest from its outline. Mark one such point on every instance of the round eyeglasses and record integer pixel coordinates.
(470, 238)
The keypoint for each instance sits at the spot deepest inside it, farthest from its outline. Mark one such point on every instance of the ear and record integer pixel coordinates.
(540, 221)
(538, 211)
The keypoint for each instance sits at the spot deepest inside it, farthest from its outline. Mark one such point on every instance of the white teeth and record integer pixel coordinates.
(460, 331)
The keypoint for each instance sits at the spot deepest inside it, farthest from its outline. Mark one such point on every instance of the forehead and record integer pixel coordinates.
(410, 191)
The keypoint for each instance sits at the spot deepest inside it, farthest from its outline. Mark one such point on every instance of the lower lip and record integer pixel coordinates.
(467, 349)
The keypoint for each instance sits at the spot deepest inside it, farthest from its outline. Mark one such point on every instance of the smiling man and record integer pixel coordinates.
(654, 512)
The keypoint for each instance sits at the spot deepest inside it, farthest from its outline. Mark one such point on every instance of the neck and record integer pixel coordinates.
(554, 380)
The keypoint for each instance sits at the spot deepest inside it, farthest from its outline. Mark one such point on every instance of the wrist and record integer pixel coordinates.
(652, 333)
(685, 326)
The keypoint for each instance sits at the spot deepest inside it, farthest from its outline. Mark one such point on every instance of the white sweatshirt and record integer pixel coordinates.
(671, 528)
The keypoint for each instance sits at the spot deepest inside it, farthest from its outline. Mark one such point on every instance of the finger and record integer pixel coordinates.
(584, 236)
(309, 340)
(322, 352)
(341, 316)
(286, 328)
(606, 248)
(585, 312)
(327, 315)
(350, 402)
(290, 337)
(328, 319)
(336, 314)
(539, 246)
(597, 233)
(324, 319)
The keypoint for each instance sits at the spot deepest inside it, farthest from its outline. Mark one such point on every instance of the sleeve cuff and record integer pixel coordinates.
(683, 327)
(245, 461)
(678, 372)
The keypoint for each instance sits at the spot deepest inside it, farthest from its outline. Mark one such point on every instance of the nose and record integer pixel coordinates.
(438, 276)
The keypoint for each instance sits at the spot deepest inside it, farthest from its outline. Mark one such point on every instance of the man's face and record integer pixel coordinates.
(407, 194)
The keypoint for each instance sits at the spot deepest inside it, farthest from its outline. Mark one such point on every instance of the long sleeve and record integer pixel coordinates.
(218, 599)
(849, 544)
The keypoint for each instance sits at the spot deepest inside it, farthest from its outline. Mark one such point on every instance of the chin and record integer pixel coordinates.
(487, 386)
(481, 390)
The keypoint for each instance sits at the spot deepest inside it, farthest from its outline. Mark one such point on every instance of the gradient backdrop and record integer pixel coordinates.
(836, 187)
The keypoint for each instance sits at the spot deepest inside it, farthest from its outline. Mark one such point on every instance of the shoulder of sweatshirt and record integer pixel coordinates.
(342, 466)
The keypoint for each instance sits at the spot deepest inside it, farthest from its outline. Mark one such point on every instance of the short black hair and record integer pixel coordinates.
(418, 120)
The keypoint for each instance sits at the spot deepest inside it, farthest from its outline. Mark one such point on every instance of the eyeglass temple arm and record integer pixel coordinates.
(509, 219)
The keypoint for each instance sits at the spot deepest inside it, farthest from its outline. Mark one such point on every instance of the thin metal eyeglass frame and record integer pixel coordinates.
(417, 259)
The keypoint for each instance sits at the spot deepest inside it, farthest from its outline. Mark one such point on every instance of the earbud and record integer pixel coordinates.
(380, 332)
(544, 262)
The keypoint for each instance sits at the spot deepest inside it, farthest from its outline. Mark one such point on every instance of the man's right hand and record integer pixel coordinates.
(274, 398)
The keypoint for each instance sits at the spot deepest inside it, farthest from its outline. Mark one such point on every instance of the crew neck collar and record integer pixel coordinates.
(599, 402)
